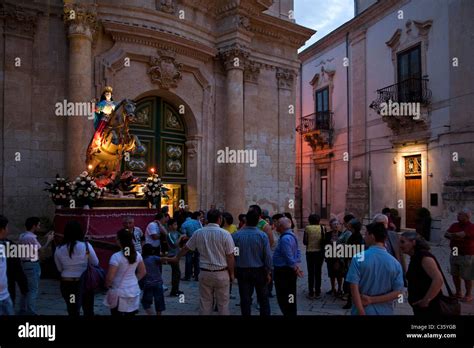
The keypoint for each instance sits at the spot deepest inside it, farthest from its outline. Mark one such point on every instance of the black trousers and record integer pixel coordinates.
(70, 291)
(285, 286)
(175, 277)
(250, 279)
(314, 262)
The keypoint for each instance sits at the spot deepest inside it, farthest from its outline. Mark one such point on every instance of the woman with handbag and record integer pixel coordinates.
(424, 276)
(126, 268)
(72, 258)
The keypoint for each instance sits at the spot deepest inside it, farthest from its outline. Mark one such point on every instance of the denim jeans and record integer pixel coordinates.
(192, 263)
(28, 302)
(154, 293)
(6, 307)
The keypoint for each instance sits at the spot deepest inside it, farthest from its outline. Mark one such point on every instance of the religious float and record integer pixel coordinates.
(101, 196)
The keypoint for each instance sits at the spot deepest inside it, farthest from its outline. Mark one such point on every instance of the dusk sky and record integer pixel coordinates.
(322, 15)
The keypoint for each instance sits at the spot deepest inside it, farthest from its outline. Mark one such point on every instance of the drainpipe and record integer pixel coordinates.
(348, 118)
(301, 145)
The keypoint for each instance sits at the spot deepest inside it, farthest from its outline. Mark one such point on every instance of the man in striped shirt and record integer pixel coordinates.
(216, 263)
(253, 264)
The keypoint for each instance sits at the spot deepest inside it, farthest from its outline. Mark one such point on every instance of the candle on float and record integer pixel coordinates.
(152, 170)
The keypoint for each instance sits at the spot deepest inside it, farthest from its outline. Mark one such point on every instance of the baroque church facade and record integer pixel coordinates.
(205, 75)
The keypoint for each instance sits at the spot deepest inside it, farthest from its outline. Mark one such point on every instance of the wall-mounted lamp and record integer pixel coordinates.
(394, 160)
(430, 175)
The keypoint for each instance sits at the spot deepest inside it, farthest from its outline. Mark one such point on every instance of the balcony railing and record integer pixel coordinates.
(316, 121)
(411, 90)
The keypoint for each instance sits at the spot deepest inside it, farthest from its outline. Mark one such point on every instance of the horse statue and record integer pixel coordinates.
(112, 139)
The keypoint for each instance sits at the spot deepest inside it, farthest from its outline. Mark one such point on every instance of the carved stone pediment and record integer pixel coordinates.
(322, 78)
(165, 70)
(402, 39)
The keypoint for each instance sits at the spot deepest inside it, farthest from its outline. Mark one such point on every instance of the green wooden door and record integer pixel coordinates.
(162, 132)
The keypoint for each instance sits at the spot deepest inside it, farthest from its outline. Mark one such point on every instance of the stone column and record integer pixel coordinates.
(286, 139)
(81, 21)
(234, 58)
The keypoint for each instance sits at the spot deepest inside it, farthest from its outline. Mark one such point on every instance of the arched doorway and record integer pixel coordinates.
(162, 132)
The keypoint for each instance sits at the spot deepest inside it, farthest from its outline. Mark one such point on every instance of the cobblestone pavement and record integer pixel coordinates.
(50, 301)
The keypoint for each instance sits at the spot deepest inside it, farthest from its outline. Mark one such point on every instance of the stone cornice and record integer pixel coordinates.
(365, 19)
(19, 21)
(125, 32)
(250, 7)
(289, 32)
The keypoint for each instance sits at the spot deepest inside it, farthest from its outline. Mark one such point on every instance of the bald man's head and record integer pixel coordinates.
(284, 224)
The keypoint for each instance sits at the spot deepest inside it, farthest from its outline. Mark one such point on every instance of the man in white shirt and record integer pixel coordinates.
(153, 233)
(137, 233)
(31, 266)
(216, 248)
(6, 304)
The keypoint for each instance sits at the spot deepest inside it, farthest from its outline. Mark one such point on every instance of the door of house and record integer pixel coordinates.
(324, 193)
(412, 189)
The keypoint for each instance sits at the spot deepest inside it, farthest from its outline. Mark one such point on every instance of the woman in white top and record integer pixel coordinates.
(122, 276)
(71, 260)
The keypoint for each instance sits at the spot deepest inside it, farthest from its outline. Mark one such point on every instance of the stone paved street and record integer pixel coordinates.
(51, 303)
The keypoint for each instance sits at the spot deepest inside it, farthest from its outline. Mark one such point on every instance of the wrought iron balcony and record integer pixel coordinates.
(411, 90)
(317, 129)
(315, 122)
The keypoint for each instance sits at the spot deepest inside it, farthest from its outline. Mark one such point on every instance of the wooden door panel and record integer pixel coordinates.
(413, 199)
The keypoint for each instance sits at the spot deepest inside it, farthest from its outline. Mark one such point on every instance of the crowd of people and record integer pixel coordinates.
(262, 253)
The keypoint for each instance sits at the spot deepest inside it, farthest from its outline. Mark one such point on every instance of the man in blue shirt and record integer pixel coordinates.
(285, 262)
(253, 264)
(376, 277)
(188, 227)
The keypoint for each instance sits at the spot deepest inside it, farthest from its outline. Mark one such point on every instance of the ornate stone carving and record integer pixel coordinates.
(242, 22)
(323, 78)
(234, 56)
(168, 6)
(165, 70)
(285, 77)
(401, 41)
(18, 21)
(251, 71)
(192, 146)
(406, 125)
(81, 19)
